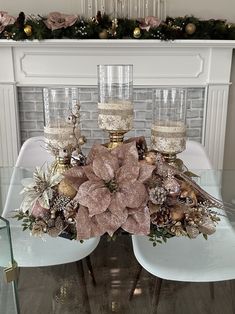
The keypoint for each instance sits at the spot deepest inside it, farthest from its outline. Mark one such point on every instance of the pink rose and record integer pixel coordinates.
(5, 20)
(56, 20)
(149, 22)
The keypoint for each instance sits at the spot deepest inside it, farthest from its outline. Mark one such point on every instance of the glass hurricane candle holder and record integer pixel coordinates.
(115, 105)
(168, 132)
(61, 124)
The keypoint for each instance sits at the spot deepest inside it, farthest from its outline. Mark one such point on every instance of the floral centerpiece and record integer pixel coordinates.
(127, 189)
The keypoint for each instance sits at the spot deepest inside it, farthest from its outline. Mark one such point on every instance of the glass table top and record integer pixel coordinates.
(67, 287)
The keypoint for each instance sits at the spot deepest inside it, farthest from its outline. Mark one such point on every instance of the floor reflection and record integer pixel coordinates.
(60, 289)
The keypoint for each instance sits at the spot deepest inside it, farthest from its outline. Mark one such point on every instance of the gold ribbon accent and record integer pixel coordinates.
(118, 112)
(169, 135)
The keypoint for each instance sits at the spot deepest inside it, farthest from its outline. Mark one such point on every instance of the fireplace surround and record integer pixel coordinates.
(192, 63)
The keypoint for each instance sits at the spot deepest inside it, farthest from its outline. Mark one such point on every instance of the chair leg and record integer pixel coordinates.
(131, 294)
(90, 268)
(156, 294)
(84, 287)
(232, 293)
(212, 290)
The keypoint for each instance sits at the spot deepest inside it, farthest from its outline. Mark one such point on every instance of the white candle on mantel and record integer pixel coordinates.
(168, 137)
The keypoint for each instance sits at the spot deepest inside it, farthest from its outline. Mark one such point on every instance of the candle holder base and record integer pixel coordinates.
(115, 139)
(61, 164)
(175, 162)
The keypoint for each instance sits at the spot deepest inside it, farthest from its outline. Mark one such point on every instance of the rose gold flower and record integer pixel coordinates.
(149, 22)
(5, 20)
(56, 20)
(39, 212)
(114, 191)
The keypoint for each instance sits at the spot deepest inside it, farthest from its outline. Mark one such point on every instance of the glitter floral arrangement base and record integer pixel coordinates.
(127, 189)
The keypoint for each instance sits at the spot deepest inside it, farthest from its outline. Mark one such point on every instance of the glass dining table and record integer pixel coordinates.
(42, 286)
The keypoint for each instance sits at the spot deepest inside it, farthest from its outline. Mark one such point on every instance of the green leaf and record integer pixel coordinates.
(205, 236)
(154, 243)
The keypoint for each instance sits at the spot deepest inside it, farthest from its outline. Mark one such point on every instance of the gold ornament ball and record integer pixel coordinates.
(28, 30)
(177, 213)
(190, 28)
(137, 33)
(82, 140)
(66, 189)
(104, 34)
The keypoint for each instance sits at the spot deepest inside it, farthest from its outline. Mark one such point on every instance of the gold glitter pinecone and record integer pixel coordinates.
(161, 218)
(157, 195)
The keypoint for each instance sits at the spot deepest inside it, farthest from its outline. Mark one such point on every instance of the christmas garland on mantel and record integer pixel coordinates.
(63, 26)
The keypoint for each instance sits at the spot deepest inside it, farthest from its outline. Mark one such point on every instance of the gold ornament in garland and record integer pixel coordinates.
(190, 28)
(104, 34)
(28, 30)
(137, 33)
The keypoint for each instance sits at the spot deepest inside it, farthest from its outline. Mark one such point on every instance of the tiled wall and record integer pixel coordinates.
(31, 113)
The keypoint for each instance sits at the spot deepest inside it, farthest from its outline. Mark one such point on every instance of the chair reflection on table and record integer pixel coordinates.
(183, 259)
(30, 251)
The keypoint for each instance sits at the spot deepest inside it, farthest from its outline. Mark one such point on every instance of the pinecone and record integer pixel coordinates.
(161, 218)
(194, 216)
(50, 223)
(58, 227)
(39, 227)
(157, 195)
(59, 223)
(177, 229)
(53, 232)
(60, 203)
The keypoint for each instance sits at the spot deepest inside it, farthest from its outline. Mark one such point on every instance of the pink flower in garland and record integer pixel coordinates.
(5, 20)
(56, 20)
(149, 22)
(114, 195)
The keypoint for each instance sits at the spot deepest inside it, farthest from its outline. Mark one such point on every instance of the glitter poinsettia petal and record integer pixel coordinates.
(145, 171)
(105, 165)
(138, 221)
(75, 176)
(126, 153)
(86, 226)
(134, 194)
(88, 170)
(109, 222)
(127, 173)
(95, 196)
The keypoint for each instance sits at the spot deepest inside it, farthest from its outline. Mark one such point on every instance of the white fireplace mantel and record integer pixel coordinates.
(195, 63)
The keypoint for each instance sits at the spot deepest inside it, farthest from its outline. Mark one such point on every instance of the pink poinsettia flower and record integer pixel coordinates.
(56, 20)
(5, 20)
(149, 22)
(114, 193)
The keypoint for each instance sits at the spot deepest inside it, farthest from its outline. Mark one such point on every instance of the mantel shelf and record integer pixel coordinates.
(128, 43)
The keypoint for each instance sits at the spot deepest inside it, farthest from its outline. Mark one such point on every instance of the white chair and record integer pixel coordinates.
(183, 259)
(30, 251)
